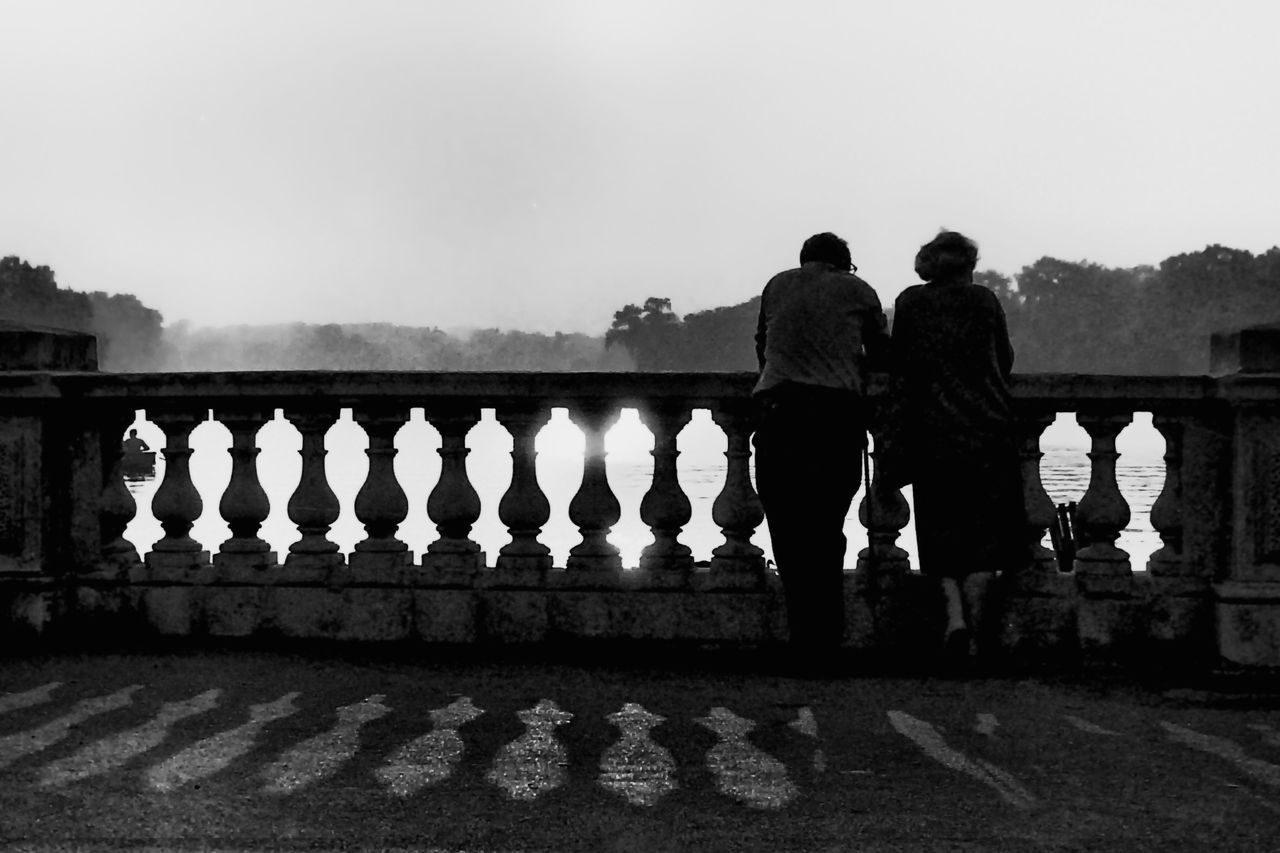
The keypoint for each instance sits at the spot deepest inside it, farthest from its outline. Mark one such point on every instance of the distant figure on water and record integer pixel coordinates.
(818, 324)
(951, 360)
(133, 444)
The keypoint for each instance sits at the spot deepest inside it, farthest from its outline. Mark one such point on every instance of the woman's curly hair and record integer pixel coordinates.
(948, 255)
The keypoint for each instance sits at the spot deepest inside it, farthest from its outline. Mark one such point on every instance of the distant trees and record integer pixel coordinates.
(721, 339)
(1079, 317)
(1064, 316)
(382, 346)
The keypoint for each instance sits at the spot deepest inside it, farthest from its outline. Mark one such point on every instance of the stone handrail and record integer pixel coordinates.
(66, 510)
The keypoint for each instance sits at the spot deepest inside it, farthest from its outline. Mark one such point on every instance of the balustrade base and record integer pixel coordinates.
(518, 573)
(1248, 621)
(899, 617)
(448, 570)
(309, 568)
(186, 566)
(245, 568)
(379, 568)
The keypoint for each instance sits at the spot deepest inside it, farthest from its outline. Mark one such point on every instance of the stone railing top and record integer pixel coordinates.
(345, 388)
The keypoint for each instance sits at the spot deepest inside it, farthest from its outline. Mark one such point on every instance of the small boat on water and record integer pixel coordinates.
(138, 464)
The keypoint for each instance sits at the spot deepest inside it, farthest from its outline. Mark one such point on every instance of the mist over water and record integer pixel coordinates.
(1064, 471)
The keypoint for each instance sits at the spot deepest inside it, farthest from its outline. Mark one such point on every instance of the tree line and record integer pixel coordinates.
(134, 337)
(1064, 316)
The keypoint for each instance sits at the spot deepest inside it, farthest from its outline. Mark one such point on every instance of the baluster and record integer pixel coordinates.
(883, 511)
(244, 504)
(381, 504)
(594, 508)
(1103, 512)
(313, 506)
(524, 508)
(117, 506)
(177, 504)
(665, 507)
(736, 563)
(1040, 510)
(453, 504)
(1166, 512)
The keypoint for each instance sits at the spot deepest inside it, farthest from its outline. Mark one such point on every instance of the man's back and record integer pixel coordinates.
(814, 323)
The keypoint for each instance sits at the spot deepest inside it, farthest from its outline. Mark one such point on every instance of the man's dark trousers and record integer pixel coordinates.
(809, 443)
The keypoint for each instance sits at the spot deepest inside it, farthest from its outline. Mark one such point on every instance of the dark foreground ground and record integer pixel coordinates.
(253, 750)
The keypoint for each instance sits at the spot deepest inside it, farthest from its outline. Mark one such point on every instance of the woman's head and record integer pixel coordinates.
(950, 255)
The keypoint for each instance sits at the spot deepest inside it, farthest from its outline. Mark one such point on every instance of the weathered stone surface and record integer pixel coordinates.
(1109, 627)
(514, 616)
(186, 567)
(1252, 350)
(29, 347)
(26, 612)
(21, 540)
(169, 610)
(1037, 627)
(377, 568)
(727, 617)
(233, 611)
(378, 614)
(446, 615)
(296, 611)
(255, 568)
(1248, 618)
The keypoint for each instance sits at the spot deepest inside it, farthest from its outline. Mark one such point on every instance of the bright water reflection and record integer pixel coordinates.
(1064, 470)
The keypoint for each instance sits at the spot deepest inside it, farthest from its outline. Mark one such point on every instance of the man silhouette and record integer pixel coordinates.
(133, 444)
(818, 324)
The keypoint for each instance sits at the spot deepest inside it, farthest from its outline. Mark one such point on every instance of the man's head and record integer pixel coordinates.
(827, 248)
(949, 255)
(133, 433)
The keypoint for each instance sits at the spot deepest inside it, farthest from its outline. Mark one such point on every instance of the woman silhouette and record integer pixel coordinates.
(951, 360)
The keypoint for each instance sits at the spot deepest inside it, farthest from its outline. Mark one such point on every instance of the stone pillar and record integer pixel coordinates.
(1038, 610)
(454, 558)
(1106, 611)
(313, 506)
(737, 563)
(176, 504)
(1248, 597)
(244, 504)
(524, 508)
(594, 508)
(883, 511)
(1181, 611)
(116, 507)
(51, 475)
(381, 504)
(667, 562)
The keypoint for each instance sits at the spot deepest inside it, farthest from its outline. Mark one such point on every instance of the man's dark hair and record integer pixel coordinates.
(946, 256)
(826, 248)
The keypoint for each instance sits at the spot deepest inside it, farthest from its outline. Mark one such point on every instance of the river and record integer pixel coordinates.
(1064, 470)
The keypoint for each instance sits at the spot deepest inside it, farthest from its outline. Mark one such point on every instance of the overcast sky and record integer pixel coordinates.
(538, 164)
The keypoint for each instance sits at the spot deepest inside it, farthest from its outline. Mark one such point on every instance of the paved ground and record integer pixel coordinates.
(278, 751)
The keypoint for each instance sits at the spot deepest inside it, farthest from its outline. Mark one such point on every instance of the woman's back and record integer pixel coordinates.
(952, 357)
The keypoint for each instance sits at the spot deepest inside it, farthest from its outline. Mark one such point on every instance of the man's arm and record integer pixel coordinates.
(761, 332)
(875, 340)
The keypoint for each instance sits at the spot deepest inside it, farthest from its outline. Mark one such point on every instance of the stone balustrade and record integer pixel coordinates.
(1211, 591)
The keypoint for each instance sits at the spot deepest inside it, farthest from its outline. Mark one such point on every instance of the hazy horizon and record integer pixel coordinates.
(536, 166)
